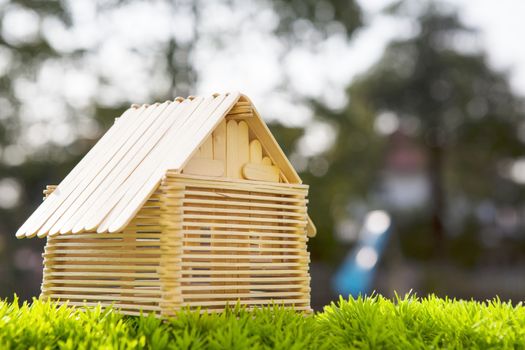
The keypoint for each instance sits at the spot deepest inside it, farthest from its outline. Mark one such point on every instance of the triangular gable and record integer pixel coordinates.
(261, 131)
(111, 183)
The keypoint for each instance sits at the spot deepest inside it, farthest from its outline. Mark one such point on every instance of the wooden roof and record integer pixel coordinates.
(112, 182)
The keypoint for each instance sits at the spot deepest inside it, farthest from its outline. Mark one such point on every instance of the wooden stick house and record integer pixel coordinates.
(186, 203)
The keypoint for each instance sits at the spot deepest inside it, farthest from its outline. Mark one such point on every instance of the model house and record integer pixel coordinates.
(186, 203)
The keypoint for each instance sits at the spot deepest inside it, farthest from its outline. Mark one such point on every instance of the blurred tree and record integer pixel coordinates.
(326, 16)
(31, 157)
(461, 113)
(307, 22)
(22, 53)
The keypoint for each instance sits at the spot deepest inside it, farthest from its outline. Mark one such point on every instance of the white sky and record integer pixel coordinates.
(250, 59)
(124, 46)
(328, 72)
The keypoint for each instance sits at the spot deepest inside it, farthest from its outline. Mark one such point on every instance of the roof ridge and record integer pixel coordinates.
(179, 99)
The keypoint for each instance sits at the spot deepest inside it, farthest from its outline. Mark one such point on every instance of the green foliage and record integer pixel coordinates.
(325, 16)
(428, 323)
(364, 323)
(453, 108)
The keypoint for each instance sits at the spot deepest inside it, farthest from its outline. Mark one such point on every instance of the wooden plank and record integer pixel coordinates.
(243, 146)
(174, 175)
(234, 240)
(263, 134)
(240, 109)
(120, 289)
(206, 150)
(153, 233)
(205, 166)
(107, 194)
(96, 157)
(241, 103)
(256, 154)
(136, 145)
(136, 199)
(229, 211)
(141, 185)
(239, 257)
(251, 265)
(251, 228)
(210, 121)
(138, 301)
(232, 151)
(239, 116)
(248, 302)
(100, 252)
(262, 197)
(91, 282)
(219, 144)
(252, 272)
(246, 232)
(234, 296)
(243, 204)
(101, 259)
(100, 274)
(241, 248)
(103, 244)
(241, 287)
(119, 306)
(234, 280)
(260, 172)
(241, 219)
(311, 230)
(81, 203)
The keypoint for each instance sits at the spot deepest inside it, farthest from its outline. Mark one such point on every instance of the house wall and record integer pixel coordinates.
(233, 151)
(196, 243)
(241, 241)
(122, 269)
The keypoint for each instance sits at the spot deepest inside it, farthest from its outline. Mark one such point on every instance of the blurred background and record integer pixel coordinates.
(407, 119)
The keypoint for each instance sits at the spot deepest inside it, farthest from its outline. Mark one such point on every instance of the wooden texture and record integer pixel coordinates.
(129, 270)
(230, 142)
(188, 203)
(197, 242)
(243, 146)
(123, 169)
(256, 152)
(245, 256)
(219, 144)
(206, 150)
(205, 166)
(260, 172)
(187, 137)
(232, 151)
(311, 230)
(110, 184)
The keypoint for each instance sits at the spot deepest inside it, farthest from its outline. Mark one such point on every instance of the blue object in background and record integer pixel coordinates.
(357, 271)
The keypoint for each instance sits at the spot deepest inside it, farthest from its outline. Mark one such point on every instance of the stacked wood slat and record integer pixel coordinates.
(121, 269)
(243, 242)
(198, 242)
(171, 246)
(112, 182)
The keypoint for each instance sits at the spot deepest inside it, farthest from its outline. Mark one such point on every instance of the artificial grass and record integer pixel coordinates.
(363, 323)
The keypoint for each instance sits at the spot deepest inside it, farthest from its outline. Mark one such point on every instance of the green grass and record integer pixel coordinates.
(364, 323)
